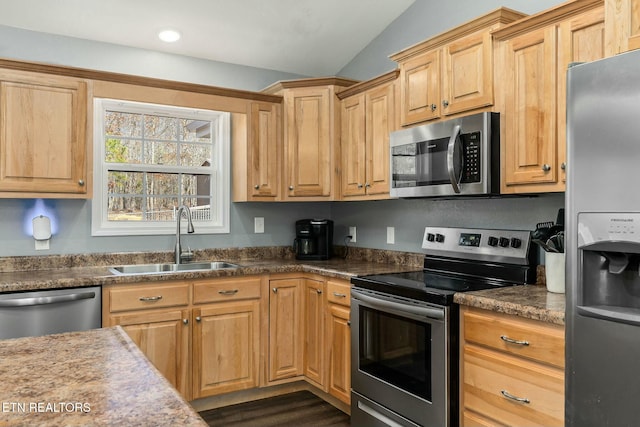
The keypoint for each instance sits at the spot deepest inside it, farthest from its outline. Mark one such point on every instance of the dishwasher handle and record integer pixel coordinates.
(26, 302)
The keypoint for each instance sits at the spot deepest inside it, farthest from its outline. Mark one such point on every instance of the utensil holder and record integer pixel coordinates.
(554, 271)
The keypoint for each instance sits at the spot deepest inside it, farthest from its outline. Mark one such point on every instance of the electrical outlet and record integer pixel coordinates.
(352, 233)
(391, 235)
(258, 224)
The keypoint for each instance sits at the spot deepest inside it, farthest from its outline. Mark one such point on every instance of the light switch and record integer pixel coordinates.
(391, 235)
(258, 224)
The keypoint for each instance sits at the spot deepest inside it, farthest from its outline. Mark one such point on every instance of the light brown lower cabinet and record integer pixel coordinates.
(208, 336)
(512, 370)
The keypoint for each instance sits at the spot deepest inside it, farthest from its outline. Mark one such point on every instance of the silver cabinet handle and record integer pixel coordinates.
(275, 290)
(512, 341)
(147, 299)
(228, 292)
(81, 182)
(563, 166)
(367, 185)
(257, 187)
(24, 302)
(445, 103)
(433, 107)
(198, 318)
(185, 321)
(514, 398)
(291, 187)
(359, 185)
(337, 295)
(319, 291)
(546, 167)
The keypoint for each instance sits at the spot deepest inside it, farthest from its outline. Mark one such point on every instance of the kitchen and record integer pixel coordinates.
(406, 216)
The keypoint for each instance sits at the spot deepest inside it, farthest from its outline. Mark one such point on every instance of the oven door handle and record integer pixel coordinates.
(432, 313)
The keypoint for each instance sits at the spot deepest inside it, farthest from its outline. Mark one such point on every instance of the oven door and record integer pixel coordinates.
(400, 359)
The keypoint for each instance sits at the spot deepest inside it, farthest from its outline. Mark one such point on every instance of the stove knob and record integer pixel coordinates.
(492, 241)
(431, 237)
(515, 242)
(439, 238)
(504, 242)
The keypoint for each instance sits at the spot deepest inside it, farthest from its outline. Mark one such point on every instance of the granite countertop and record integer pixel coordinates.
(69, 277)
(97, 377)
(528, 301)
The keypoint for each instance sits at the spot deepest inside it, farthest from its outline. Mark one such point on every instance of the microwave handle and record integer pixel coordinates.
(450, 154)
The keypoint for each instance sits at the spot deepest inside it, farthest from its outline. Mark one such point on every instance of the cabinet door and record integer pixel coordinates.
(467, 78)
(164, 338)
(353, 150)
(285, 353)
(581, 39)
(420, 88)
(339, 342)
(528, 84)
(264, 151)
(226, 345)
(622, 25)
(308, 142)
(380, 121)
(43, 141)
(314, 347)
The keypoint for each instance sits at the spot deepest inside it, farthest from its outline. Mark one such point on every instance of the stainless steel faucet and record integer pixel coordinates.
(190, 229)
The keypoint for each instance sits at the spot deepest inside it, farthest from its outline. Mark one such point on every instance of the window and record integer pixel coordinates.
(151, 159)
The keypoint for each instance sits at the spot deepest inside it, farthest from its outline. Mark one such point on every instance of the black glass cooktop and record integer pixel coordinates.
(424, 286)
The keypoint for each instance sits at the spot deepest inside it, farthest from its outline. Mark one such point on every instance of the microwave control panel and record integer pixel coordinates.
(471, 155)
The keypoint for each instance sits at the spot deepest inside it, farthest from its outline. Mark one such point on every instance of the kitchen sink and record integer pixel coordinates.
(172, 268)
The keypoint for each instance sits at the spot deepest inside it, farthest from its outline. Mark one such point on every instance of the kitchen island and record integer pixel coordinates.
(97, 377)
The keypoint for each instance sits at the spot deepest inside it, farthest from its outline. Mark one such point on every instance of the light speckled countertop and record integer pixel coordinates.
(529, 301)
(97, 378)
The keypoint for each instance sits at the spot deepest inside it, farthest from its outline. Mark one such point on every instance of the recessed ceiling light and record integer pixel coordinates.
(169, 36)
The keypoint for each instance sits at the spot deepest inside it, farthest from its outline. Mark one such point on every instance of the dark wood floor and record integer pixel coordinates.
(301, 408)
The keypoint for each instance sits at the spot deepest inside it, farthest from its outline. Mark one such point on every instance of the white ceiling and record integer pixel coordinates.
(309, 37)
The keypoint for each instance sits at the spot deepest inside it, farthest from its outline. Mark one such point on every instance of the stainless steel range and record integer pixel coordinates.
(404, 342)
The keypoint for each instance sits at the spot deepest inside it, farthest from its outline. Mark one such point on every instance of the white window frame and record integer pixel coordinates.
(220, 172)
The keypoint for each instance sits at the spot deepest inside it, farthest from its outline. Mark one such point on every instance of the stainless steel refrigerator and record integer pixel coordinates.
(603, 243)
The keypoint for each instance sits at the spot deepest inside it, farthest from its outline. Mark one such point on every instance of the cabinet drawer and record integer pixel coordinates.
(339, 292)
(521, 337)
(226, 289)
(148, 296)
(494, 381)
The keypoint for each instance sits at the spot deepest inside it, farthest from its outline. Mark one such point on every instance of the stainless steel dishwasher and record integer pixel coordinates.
(34, 313)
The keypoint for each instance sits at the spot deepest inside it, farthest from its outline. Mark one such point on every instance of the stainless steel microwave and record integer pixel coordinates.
(456, 157)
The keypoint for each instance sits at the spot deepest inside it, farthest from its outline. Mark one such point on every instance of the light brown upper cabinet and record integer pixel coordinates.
(311, 137)
(622, 25)
(257, 153)
(532, 58)
(43, 135)
(452, 72)
(368, 116)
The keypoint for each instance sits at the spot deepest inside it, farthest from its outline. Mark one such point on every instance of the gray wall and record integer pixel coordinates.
(409, 217)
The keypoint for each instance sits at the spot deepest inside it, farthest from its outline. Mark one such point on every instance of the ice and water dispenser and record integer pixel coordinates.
(609, 266)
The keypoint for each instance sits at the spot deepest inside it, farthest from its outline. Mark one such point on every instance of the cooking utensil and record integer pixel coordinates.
(544, 245)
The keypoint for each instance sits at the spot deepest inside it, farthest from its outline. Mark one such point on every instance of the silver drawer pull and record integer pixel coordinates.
(156, 298)
(337, 295)
(514, 398)
(229, 292)
(512, 341)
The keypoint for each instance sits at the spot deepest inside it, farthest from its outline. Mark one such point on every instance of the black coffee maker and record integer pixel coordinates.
(314, 239)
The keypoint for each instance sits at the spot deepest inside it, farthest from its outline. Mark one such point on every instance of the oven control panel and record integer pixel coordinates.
(486, 244)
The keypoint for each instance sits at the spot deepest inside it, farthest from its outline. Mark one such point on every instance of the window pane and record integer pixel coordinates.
(123, 124)
(195, 155)
(195, 130)
(157, 127)
(196, 185)
(200, 208)
(124, 182)
(163, 184)
(161, 153)
(161, 208)
(123, 151)
(121, 208)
